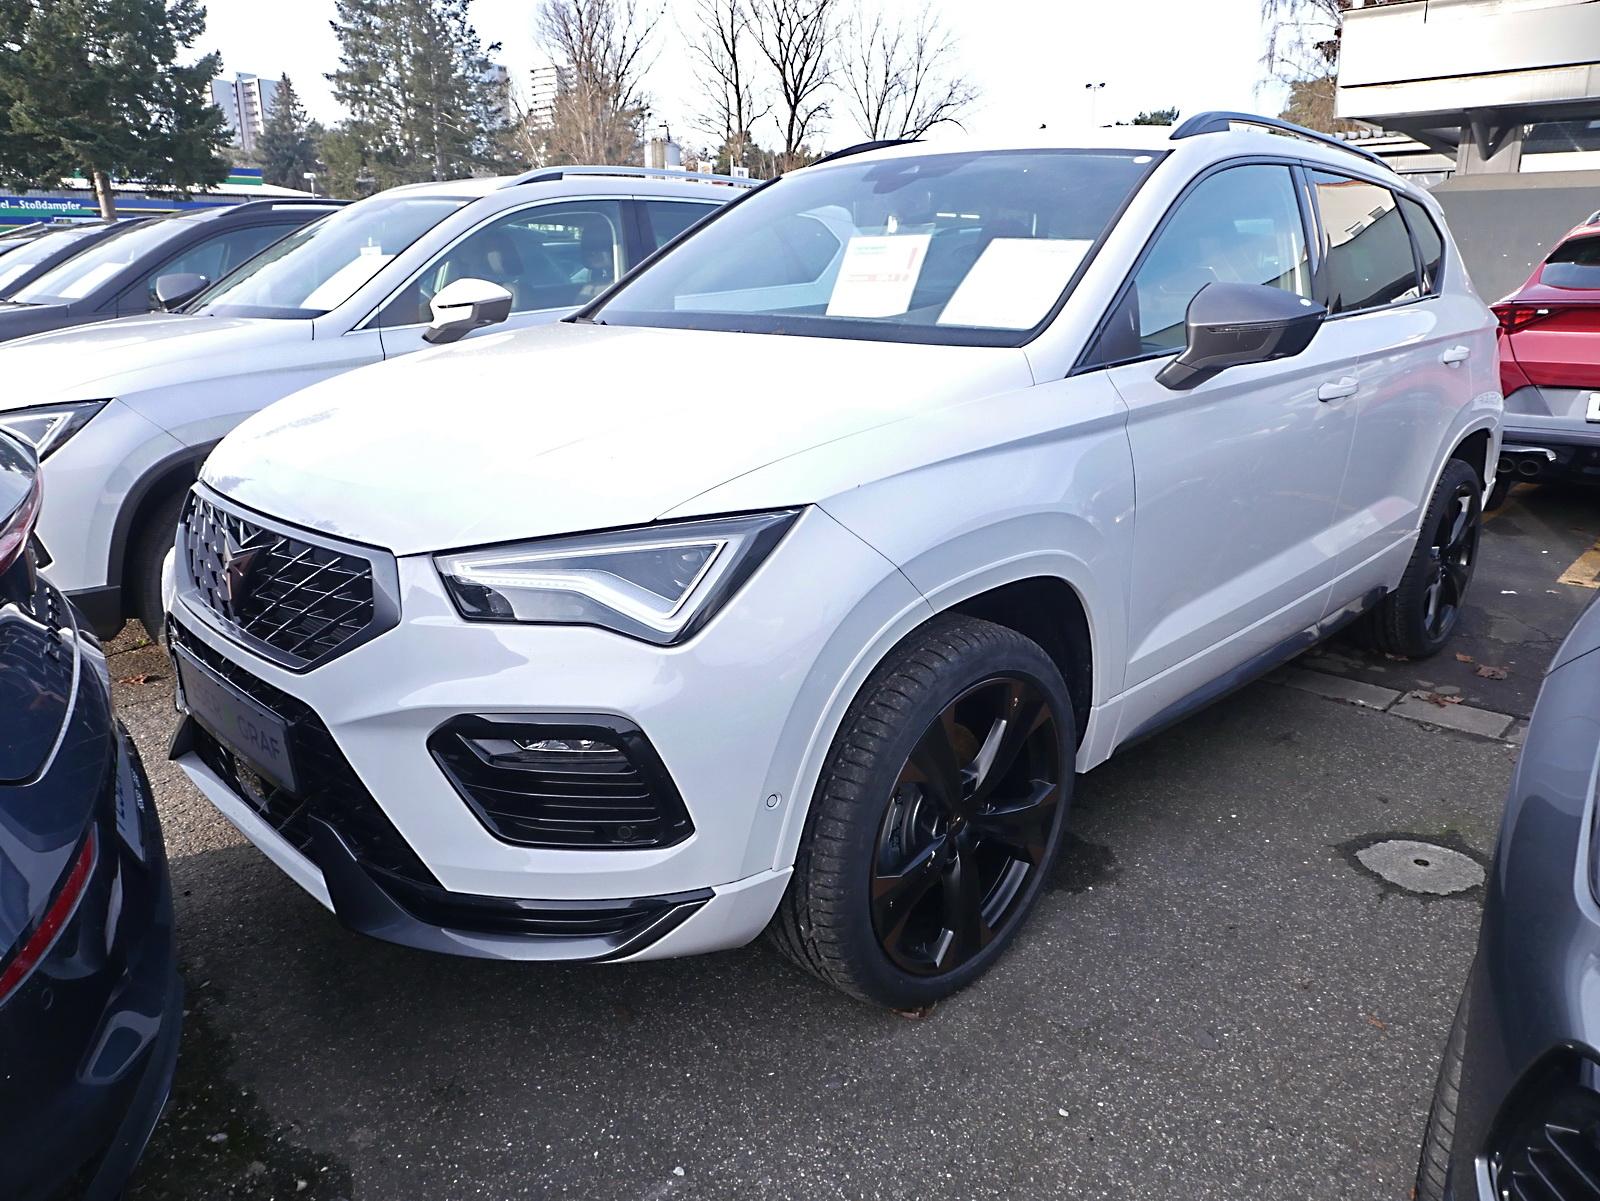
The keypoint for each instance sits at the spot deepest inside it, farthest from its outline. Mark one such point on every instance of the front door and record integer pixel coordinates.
(1236, 479)
(552, 258)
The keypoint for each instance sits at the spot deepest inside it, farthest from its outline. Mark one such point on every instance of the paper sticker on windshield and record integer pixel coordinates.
(1014, 283)
(878, 276)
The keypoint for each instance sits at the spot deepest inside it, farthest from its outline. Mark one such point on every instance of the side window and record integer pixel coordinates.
(1428, 242)
(1239, 226)
(213, 258)
(548, 256)
(1369, 251)
(666, 219)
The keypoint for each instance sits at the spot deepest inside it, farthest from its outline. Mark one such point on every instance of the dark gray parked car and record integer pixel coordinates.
(55, 246)
(1516, 1114)
(118, 277)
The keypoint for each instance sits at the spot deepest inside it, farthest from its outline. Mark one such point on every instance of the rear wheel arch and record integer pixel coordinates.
(154, 490)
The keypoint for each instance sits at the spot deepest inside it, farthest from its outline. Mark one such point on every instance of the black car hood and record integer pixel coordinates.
(20, 320)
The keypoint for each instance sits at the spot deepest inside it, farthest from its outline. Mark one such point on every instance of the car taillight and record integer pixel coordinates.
(37, 944)
(1514, 316)
(15, 529)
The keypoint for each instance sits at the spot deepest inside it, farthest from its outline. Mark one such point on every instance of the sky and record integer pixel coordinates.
(1031, 59)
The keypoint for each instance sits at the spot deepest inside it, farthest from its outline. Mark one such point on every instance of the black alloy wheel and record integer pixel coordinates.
(937, 818)
(1453, 550)
(969, 822)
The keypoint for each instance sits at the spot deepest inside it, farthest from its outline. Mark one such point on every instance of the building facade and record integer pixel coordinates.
(246, 101)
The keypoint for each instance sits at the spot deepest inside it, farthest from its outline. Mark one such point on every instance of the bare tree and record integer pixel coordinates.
(1303, 39)
(720, 47)
(793, 36)
(598, 47)
(896, 81)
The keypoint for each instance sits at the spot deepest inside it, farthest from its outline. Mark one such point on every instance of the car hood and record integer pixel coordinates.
(573, 427)
(134, 354)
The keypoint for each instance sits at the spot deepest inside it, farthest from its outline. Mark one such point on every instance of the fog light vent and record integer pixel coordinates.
(582, 780)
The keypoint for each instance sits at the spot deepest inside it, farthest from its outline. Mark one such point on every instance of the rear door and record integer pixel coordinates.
(1416, 343)
(1237, 478)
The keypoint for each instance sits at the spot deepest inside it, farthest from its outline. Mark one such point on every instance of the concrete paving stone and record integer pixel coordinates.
(1339, 688)
(1465, 718)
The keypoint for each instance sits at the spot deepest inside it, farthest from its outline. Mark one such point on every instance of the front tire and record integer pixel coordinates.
(1438, 1140)
(1417, 619)
(937, 818)
(154, 538)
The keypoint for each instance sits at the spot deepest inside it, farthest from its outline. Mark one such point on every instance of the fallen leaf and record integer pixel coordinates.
(1374, 1021)
(1460, 658)
(144, 677)
(1440, 699)
(915, 1015)
(1492, 673)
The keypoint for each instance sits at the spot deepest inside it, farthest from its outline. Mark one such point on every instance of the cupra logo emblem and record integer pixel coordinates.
(236, 564)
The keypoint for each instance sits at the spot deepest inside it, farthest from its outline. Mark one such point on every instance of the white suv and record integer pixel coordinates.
(123, 413)
(788, 584)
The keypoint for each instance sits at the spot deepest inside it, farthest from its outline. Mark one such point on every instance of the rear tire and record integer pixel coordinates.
(1418, 618)
(1439, 1138)
(157, 530)
(937, 818)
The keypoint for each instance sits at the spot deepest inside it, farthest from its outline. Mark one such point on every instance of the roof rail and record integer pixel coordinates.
(1221, 121)
(862, 148)
(551, 174)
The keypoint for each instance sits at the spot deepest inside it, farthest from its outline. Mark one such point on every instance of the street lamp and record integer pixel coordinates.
(1094, 90)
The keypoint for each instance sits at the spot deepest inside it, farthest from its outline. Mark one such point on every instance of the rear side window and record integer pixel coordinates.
(1239, 226)
(1429, 243)
(1574, 264)
(666, 219)
(213, 258)
(1369, 261)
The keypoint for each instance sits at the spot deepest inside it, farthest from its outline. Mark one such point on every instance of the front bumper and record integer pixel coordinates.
(733, 714)
(1533, 1000)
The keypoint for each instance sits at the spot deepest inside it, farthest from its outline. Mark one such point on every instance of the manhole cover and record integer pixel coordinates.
(1421, 866)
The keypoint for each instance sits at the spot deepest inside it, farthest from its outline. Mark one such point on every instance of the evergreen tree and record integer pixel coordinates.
(95, 87)
(287, 146)
(413, 76)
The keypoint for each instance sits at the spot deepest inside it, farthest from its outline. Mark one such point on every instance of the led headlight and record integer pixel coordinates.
(48, 426)
(659, 583)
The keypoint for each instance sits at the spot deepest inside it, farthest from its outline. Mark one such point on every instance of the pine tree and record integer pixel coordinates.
(287, 146)
(95, 87)
(414, 77)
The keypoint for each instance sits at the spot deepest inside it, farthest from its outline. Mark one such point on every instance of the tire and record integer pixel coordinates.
(1418, 618)
(1440, 1135)
(151, 541)
(1497, 495)
(901, 835)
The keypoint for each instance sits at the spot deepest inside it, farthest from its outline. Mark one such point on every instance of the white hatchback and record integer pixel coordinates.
(788, 586)
(123, 412)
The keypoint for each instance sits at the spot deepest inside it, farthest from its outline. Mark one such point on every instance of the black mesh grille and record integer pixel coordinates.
(602, 787)
(329, 786)
(1553, 1153)
(305, 600)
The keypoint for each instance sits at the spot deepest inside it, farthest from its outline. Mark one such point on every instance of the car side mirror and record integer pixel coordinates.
(174, 291)
(1230, 325)
(464, 306)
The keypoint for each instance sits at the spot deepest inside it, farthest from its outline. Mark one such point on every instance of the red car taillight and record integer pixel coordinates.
(1515, 316)
(15, 529)
(38, 944)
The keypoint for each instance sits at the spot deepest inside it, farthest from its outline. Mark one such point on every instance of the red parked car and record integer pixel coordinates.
(1550, 365)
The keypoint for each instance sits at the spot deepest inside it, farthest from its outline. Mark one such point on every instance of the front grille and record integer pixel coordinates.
(298, 599)
(329, 787)
(581, 781)
(1552, 1153)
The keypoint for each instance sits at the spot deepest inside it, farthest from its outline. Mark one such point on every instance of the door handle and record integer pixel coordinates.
(1338, 389)
(1455, 355)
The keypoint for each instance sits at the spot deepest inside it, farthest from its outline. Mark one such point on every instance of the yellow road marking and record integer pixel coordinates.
(1516, 491)
(1585, 570)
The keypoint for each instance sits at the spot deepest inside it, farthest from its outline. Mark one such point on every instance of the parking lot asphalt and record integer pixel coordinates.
(1216, 999)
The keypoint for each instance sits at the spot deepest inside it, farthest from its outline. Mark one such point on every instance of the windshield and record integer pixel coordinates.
(968, 248)
(16, 265)
(83, 273)
(321, 266)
